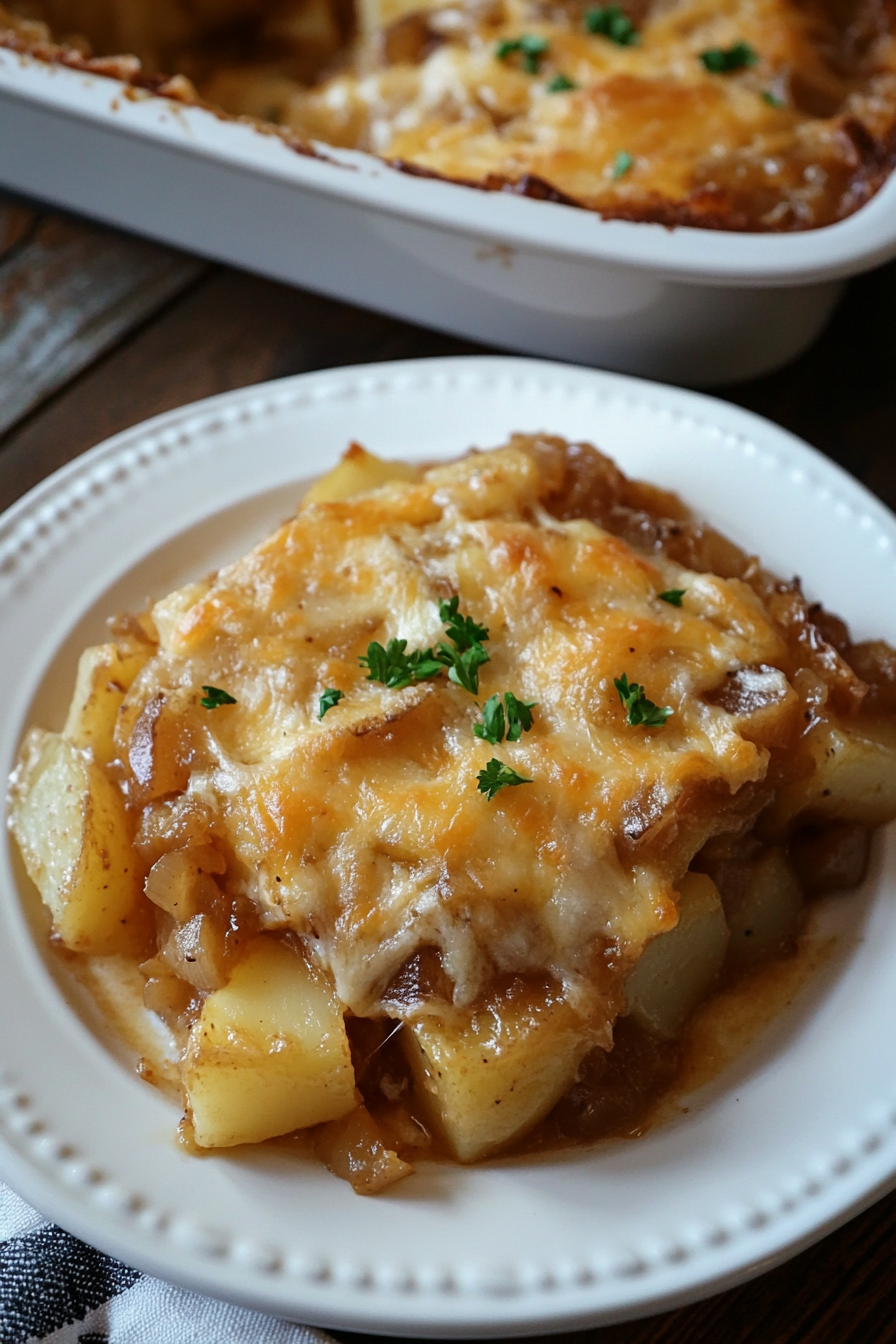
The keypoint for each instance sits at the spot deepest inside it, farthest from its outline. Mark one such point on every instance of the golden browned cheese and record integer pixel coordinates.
(642, 130)
(799, 137)
(365, 832)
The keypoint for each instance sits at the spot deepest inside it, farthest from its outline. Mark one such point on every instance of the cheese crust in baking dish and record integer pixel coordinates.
(432, 819)
(760, 115)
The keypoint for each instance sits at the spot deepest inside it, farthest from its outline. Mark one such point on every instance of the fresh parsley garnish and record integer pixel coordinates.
(465, 659)
(722, 61)
(396, 668)
(463, 667)
(621, 165)
(493, 727)
(529, 47)
(609, 21)
(673, 596)
(214, 698)
(518, 719)
(462, 630)
(561, 84)
(640, 710)
(519, 716)
(497, 776)
(768, 96)
(330, 698)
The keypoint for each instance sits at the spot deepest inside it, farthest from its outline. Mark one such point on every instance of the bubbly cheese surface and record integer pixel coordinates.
(365, 831)
(799, 134)
(642, 129)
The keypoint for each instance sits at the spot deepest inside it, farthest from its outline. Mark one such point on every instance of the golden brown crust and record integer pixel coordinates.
(802, 137)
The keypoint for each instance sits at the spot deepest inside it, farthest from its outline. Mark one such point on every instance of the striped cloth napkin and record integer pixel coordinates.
(57, 1290)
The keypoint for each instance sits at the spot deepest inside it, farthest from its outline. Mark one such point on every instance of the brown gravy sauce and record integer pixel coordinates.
(645, 1083)
(642, 1083)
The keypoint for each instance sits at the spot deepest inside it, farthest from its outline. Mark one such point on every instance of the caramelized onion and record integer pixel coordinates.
(353, 1149)
(169, 997)
(197, 953)
(180, 882)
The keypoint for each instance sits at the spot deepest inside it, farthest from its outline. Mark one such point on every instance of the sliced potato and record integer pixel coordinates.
(105, 674)
(854, 778)
(358, 472)
(72, 829)
(679, 968)
(489, 1075)
(269, 1052)
(766, 916)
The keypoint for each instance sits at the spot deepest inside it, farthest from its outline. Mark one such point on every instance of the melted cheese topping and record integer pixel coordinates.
(364, 831)
(800, 138)
(764, 147)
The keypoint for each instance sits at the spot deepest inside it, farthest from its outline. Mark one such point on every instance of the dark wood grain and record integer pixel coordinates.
(16, 221)
(68, 292)
(232, 329)
(226, 330)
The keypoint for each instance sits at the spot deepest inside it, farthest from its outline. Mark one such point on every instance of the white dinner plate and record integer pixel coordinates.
(797, 1136)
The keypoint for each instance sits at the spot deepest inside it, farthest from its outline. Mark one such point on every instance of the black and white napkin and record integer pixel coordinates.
(57, 1290)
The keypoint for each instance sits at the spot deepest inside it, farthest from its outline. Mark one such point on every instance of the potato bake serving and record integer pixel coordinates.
(430, 821)
(762, 115)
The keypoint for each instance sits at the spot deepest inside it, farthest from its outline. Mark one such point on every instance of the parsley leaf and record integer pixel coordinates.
(497, 776)
(519, 719)
(462, 630)
(330, 698)
(519, 716)
(621, 165)
(492, 727)
(719, 61)
(561, 84)
(641, 711)
(215, 698)
(768, 96)
(673, 596)
(396, 668)
(609, 21)
(463, 667)
(530, 47)
(424, 664)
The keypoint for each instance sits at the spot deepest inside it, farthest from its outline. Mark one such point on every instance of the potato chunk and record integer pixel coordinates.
(358, 472)
(72, 829)
(269, 1053)
(680, 967)
(766, 917)
(489, 1075)
(854, 778)
(105, 674)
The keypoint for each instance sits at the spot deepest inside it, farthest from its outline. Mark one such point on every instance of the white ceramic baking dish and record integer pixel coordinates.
(682, 305)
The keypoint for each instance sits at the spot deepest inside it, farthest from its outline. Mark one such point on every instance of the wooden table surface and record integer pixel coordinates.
(99, 331)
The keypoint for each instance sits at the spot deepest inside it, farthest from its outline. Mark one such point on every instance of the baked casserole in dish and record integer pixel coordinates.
(769, 115)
